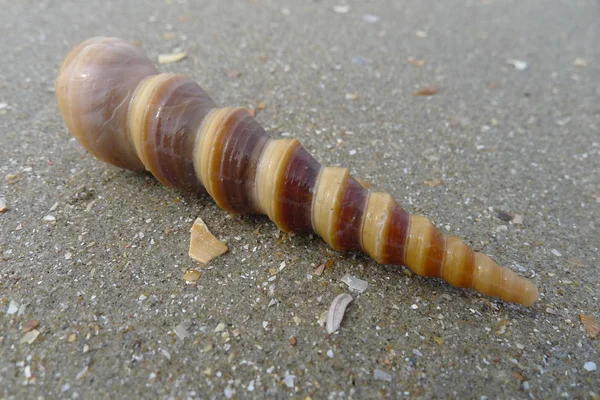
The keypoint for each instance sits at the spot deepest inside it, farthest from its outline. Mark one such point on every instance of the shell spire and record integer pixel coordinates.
(116, 103)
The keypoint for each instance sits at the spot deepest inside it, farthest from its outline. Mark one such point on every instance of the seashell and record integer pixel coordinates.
(336, 312)
(118, 106)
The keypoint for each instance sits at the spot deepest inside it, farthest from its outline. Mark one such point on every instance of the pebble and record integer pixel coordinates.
(220, 327)
(330, 353)
(555, 252)
(3, 206)
(49, 218)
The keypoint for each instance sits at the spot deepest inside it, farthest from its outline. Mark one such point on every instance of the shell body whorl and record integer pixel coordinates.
(122, 110)
(94, 88)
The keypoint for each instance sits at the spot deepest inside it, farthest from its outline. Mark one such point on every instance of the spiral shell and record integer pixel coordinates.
(122, 110)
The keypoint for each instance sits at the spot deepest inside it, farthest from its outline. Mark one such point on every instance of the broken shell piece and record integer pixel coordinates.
(204, 246)
(336, 312)
(191, 275)
(591, 326)
(171, 58)
(3, 205)
(354, 283)
(30, 336)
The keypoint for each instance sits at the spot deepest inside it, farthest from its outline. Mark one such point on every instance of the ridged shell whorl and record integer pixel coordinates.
(94, 89)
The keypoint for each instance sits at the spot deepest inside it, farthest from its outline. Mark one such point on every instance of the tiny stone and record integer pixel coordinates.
(228, 392)
(293, 340)
(579, 62)
(72, 338)
(414, 306)
(265, 324)
(166, 354)
(330, 353)
(49, 218)
(297, 320)
(555, 252)
(68, 255)
(3, 206)
(27, 372)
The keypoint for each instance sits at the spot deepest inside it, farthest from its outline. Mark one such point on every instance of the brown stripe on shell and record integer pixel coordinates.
(174, 113)
(395, 236)
(224, 130)
(295, 191)
(240, 153)
(348, 220)
(434, 262)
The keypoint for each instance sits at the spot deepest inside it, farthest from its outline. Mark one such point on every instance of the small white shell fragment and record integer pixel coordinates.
(181, 331)
(204, 246)
(49, 218)
(289, 379)
(518, 64)
(13, 307)
(81, 373)
(3, 206)
(370, 18)
(336, 312)
(171, 58)
(341, 9)
(555, 252)
(590, 366)
(220, 327)
(382, 375)
(30, 336)
(354, 283)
